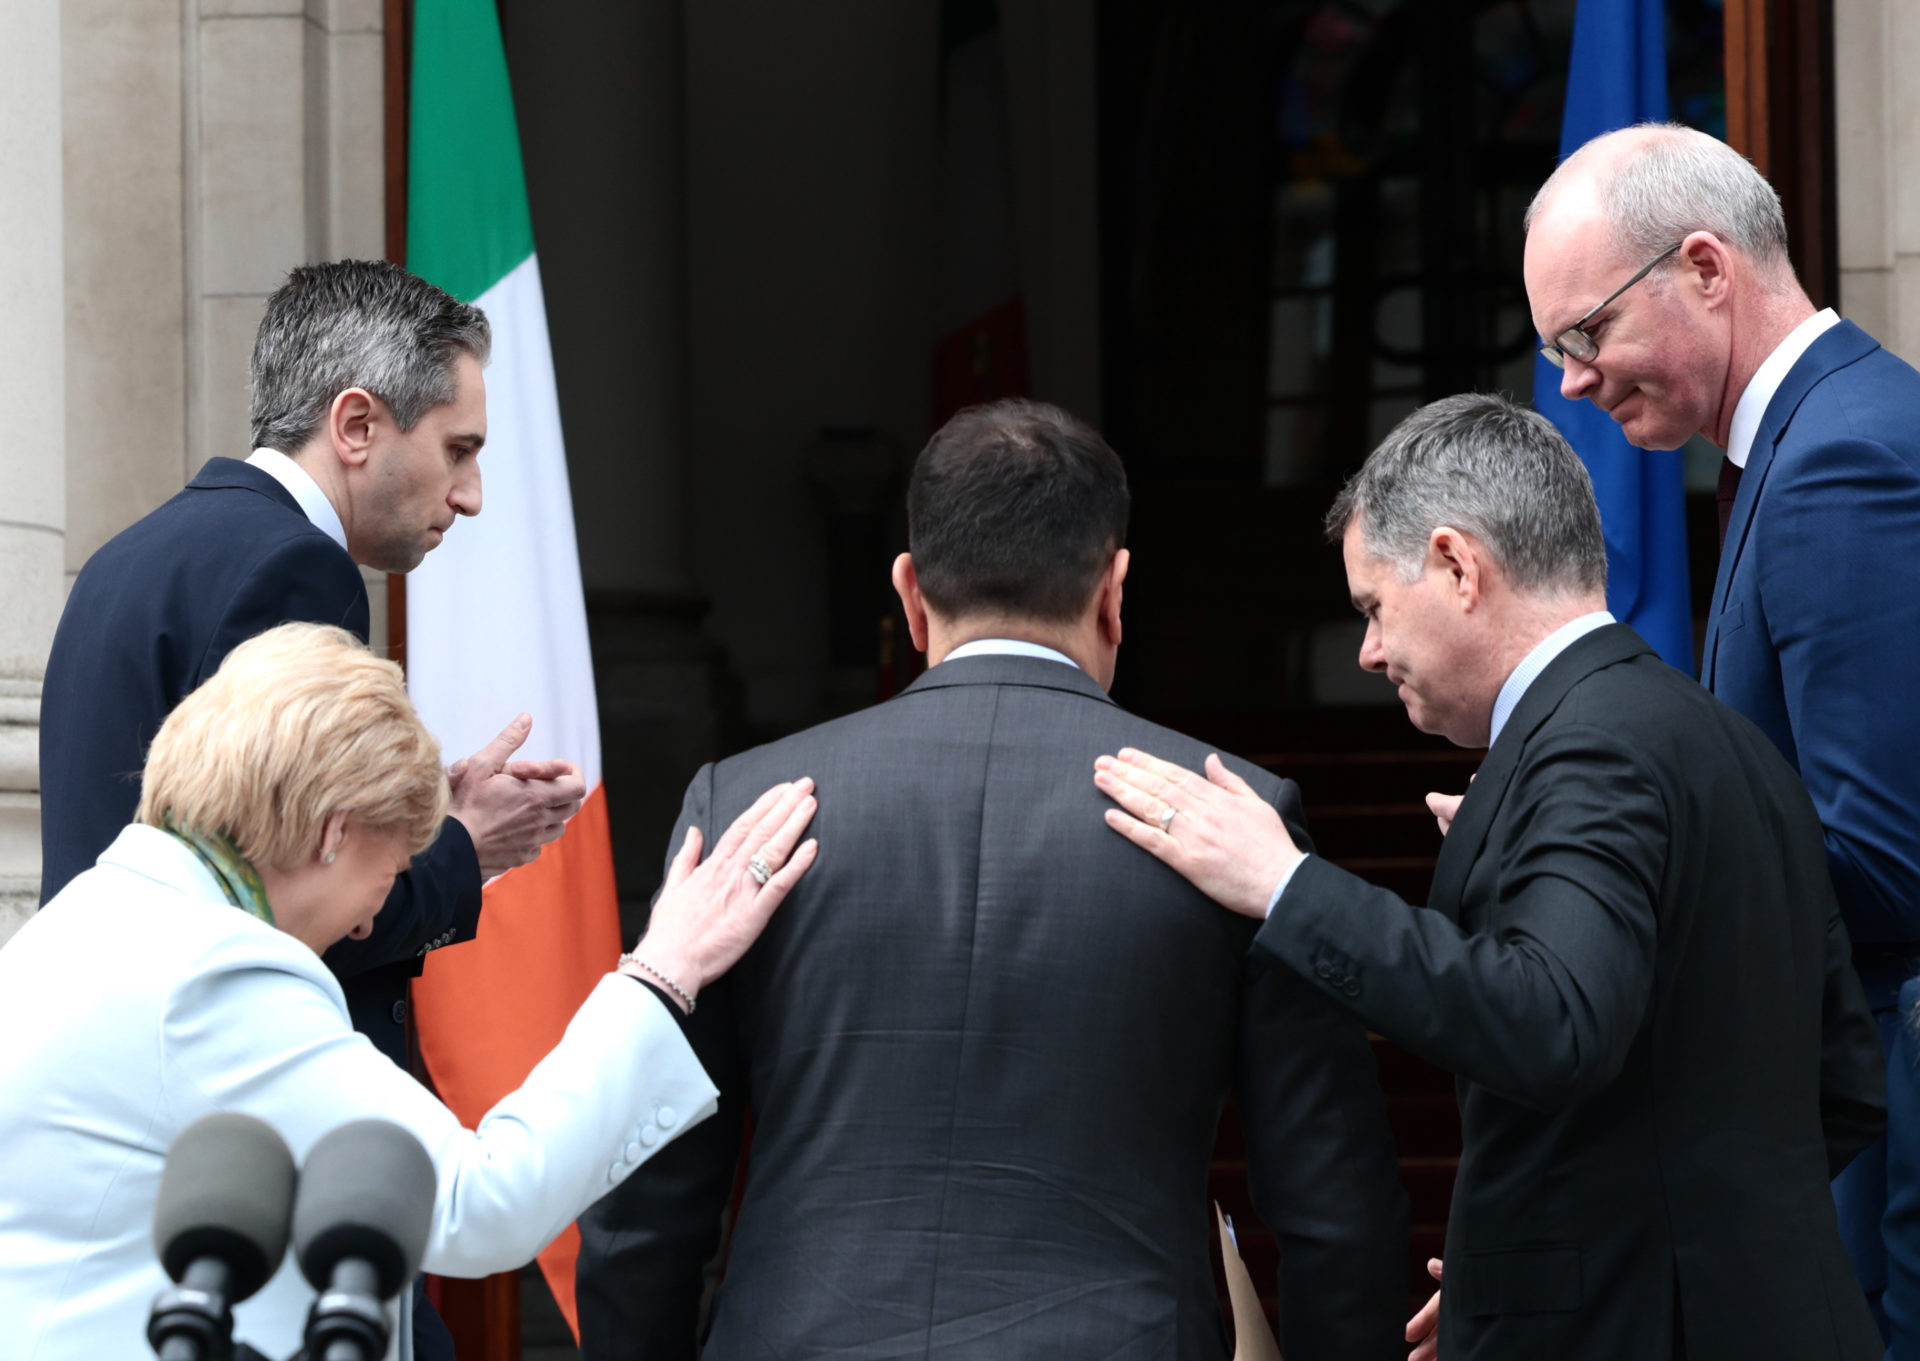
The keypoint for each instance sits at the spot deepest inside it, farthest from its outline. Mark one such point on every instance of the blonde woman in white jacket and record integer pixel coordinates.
(182, 976)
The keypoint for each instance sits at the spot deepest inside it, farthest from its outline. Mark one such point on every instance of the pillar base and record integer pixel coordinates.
(19, 803)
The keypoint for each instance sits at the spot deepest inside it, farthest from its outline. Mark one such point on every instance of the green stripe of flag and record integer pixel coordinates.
(467, 219)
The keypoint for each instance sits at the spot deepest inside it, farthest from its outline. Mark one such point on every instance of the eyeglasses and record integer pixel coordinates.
(1575, 341)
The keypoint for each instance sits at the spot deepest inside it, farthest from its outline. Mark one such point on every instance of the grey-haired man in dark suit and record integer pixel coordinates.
(1631, 956)
(986, 1044)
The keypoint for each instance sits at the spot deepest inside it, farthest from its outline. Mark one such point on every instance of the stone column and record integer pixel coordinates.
(1877, 129)
(121, 102)
(33, 393)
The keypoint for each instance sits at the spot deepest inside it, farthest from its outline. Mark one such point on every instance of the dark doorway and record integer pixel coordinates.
(1311, 224)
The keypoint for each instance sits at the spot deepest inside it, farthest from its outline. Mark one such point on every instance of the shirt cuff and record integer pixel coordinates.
(1285, 879)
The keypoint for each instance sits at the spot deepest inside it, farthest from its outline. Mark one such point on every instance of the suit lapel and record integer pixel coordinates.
(1467, 838)
(1840, 345)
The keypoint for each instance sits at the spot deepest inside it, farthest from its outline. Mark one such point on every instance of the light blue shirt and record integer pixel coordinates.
(301, 486)
(1511, 690)
(1008, 647)
(1524, 675)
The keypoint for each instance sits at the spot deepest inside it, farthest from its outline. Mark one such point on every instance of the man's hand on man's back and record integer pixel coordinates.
(513, 808)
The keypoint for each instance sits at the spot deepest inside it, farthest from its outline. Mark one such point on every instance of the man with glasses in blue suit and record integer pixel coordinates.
(1814, 625)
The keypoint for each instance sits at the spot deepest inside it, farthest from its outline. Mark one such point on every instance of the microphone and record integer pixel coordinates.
(360, 1227)
(220, 1228)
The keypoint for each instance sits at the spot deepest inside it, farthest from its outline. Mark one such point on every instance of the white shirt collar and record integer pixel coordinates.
(1008, 647)
(301, 486)
(1536, 661)
(1766, 381)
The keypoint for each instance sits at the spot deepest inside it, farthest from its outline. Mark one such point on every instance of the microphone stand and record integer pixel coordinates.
(191, 1321)
(349, 1319)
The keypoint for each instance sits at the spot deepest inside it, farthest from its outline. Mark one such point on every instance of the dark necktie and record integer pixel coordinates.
(1728, 489)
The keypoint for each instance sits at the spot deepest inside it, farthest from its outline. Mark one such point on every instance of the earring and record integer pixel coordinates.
(327, 859)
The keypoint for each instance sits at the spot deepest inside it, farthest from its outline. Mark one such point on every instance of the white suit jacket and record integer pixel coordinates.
(139, 1000)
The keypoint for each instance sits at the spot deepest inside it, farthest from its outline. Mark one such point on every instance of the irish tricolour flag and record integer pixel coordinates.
(495, 620)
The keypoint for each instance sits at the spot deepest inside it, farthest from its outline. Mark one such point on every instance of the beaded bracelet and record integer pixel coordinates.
(670, 985)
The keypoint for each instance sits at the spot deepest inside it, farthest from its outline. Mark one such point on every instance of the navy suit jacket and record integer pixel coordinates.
(152, 615)
(1814, 631)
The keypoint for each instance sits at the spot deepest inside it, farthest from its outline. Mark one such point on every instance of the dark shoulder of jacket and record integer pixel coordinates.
(1874, 396)
(219, 525)
(1173, 745)
(1648, 711)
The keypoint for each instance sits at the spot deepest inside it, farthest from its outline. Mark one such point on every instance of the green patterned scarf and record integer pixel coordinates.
(229, 868)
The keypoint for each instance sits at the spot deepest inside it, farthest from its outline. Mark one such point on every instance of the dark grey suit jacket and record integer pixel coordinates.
(985, 1045)
(1633, 960)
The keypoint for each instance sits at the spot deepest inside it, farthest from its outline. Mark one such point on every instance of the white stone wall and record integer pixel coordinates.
(1877, 116)
(209, 147)
(33, 458)
(167, 163)
(284, 145)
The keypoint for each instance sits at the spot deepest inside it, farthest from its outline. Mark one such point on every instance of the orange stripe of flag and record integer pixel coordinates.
(490, 1009)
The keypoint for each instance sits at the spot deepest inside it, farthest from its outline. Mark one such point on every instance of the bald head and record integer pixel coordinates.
(1648, 186)
(1657, 274)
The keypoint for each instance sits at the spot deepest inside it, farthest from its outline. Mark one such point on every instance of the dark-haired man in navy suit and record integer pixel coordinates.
(1814, 630)
(369, 411)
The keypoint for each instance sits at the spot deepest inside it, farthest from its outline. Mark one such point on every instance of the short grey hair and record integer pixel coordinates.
(1492, 468)
(1660, 187)
(357, 324)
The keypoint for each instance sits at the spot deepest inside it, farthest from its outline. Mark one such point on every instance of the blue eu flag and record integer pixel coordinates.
(1618, 77)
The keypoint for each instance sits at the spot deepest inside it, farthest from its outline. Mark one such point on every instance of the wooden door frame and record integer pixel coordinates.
(1779, 65)
(396, 31)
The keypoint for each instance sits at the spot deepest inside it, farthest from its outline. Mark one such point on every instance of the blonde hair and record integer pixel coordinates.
(298, 723)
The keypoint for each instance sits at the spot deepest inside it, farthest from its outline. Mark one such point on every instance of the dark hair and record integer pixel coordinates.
(357, 324)
(1015, 508)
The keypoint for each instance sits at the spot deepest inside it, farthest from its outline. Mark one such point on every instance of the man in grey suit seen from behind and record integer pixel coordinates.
(986, 1045)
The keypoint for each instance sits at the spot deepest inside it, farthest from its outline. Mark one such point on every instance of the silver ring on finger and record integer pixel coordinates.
(1166, 818)
(758, 867)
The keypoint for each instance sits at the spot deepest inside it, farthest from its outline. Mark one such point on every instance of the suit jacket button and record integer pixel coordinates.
(400, 1012)
(649, 1136)
(1351, 987)
(634, 1153)
(666, 1117)
(1324, 968)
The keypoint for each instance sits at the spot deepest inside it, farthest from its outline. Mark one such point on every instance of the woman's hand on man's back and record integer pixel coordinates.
(711, 910)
